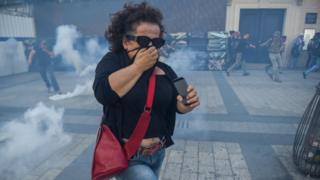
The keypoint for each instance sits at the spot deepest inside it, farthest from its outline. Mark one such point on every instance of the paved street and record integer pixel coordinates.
(243, 130)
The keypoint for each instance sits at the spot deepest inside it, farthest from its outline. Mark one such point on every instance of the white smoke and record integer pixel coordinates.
(185, 59)
(80, 89)
(30, 140)
(84, 61)
(66, 37)
(88, 70)
(12, 57)
(93, 50)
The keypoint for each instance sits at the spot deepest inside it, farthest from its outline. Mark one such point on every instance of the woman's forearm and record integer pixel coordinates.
(124, 79)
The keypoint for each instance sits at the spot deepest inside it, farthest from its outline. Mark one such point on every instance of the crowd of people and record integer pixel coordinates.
(238, 45)
(40, 55)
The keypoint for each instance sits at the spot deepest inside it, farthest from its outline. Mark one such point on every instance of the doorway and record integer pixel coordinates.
(260, 23)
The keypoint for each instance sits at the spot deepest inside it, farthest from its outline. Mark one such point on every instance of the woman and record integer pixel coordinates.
(121, 83)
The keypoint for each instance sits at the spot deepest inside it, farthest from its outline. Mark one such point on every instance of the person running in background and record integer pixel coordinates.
(310, 62)
(296, 50)
(232, 44)
(43, 57)
(28, 47)
(283, 40)
(315, 55)
(243, 45)
(280, 63)
(275, 46)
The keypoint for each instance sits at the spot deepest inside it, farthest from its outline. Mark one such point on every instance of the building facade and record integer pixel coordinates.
(261, 17)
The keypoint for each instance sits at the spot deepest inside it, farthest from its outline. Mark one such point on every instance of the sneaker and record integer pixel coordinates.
(278, 80)
(246, 74)
(50, 90)
(266, 69)
(304, 75)
(58, 92)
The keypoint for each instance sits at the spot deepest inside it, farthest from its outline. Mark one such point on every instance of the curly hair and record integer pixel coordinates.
(127, 19)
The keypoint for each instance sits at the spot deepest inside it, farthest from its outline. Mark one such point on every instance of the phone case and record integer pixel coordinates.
(181, 86)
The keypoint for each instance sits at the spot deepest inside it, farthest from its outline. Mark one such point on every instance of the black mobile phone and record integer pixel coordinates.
(181, 85)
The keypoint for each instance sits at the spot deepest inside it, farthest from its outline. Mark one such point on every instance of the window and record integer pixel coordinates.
(311, 18)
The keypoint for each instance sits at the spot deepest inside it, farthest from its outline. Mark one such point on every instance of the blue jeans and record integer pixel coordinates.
(314, 67)
(47, 75)
(294, 62)
(143, 167)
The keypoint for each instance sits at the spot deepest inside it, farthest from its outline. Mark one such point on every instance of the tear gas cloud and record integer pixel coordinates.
(66, 36)
(80, 89)
(83, 61)
(184, 59)
(30, 139)
(12, 58)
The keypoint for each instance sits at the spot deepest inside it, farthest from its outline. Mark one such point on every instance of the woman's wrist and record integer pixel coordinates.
(136, 69)
(183, 108)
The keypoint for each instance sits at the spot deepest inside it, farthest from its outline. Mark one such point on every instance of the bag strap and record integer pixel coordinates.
(140, 130)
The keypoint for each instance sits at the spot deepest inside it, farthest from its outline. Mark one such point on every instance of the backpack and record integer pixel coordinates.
(275, 45)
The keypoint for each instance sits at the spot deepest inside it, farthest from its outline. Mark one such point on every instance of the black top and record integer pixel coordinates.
(232, 44)
(122, 114)
(243, 44)
(42, 58)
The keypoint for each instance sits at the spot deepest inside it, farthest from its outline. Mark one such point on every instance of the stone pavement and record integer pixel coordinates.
(243, 130)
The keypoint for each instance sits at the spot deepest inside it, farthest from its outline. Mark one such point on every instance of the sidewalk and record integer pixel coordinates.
(243, 130)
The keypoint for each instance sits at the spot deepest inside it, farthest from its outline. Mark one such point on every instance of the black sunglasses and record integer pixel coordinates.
(144, 41)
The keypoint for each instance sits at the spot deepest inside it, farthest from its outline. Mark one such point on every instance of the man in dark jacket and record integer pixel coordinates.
(296, 50)
(241, 48)
(232, 44)
(315, 55)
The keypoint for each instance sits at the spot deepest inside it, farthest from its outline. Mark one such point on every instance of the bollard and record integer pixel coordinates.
(306, 146)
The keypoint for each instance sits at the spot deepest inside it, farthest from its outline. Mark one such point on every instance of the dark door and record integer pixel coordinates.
(260, 23)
